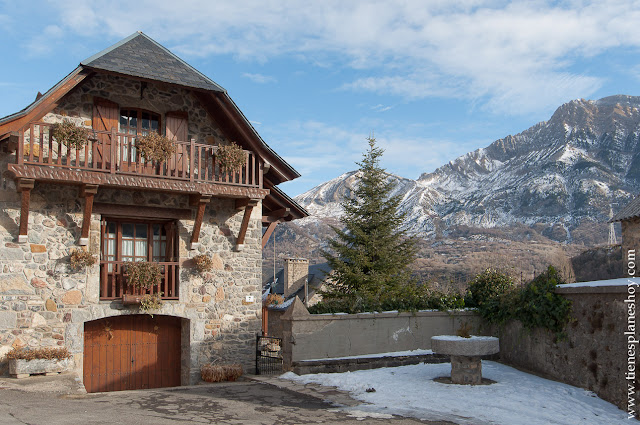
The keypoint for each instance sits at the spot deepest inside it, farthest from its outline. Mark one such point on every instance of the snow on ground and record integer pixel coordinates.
(517, 398)
(417, 352)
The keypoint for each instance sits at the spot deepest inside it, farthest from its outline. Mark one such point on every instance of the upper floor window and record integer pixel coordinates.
(138, 121)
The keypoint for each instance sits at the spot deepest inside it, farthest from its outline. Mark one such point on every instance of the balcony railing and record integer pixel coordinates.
(116, 153)
(113, 281)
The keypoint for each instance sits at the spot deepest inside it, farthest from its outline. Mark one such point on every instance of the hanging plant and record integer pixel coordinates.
(155, 147)
(81, 259)
(69, 134)
(231, 157)
(151, 302)
(203, 263)
(143, 274)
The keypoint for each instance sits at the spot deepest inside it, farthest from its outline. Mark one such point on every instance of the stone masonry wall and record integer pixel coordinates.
(594, 354)
(157, 97)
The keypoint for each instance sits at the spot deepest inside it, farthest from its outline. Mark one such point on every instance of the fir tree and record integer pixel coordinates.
(371, 255)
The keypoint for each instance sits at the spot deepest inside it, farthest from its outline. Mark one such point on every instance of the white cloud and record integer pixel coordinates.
(259, 78)
(43, 43)
(513, 57)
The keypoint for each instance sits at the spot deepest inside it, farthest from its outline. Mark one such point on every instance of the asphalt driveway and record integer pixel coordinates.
(268, 401)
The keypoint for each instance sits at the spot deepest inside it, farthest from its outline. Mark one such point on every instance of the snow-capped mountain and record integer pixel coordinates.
(555, 176)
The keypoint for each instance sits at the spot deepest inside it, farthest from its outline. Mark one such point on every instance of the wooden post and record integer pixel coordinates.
(201, 201)
(114, 150)
(24, 186)
(191, 162)
(268, 232)
(87, 192)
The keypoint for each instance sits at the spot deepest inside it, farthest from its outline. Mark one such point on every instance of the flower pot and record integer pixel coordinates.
(129, 299)
(20, 368)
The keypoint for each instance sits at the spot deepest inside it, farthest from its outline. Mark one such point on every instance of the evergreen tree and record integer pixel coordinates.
(370, 257)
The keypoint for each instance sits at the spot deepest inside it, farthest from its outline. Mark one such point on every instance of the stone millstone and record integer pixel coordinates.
(459, 346)
(466, 363)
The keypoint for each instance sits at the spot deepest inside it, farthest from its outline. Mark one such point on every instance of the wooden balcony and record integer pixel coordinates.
(111, 158)
(113, 281)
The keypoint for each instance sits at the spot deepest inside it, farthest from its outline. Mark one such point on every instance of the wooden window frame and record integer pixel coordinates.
(118, 240)
(139, 112)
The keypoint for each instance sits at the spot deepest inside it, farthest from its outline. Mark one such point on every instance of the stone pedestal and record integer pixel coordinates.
(466, 370)
(466, 363)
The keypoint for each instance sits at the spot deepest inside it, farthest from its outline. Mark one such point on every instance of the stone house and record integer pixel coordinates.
(629, 218)
(105, 198)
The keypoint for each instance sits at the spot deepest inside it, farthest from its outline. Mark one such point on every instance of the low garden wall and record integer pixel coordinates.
(321, 336)
(594, 354)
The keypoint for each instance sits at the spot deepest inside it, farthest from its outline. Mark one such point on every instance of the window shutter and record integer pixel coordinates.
(177, 129)
(177, 126)
(105, 117)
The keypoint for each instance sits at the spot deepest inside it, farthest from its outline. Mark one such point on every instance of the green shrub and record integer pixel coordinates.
(539, 306)
(408, 297)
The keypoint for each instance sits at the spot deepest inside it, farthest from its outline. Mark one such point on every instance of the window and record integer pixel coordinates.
(126, 240)
(137, 122)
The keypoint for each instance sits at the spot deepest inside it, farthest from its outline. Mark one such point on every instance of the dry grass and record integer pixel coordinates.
(39, 353)
(219, 373)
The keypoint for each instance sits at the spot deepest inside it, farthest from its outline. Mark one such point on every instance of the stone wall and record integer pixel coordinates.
(317, 336)
(594, 353)
(157, 97)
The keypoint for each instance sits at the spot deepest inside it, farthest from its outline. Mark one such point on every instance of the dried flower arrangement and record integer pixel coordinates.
(81, 259)
(231, 157)
(155, 147)
(464, 330)
(69, 134)
(143, 274)
(274, 299)
(211, 373)
(151, 302)
(203, 263)
(46, 353)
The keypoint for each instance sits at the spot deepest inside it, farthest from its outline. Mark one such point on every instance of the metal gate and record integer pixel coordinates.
(268, 355)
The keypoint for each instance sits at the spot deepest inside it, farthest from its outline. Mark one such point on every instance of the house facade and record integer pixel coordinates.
(107, 199)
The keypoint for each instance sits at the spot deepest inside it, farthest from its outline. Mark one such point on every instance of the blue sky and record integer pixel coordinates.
(431, 79)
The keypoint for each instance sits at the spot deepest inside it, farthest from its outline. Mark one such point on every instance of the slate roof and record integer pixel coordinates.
(631, 210)
(140, 56)
(317, 273)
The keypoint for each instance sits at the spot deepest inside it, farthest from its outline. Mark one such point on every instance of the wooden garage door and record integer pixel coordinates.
(131, 352)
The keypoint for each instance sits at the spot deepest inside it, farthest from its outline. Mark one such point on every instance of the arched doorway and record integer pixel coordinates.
(132, 352)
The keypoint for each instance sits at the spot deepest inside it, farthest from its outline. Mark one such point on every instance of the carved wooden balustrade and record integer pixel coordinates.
(116, 153)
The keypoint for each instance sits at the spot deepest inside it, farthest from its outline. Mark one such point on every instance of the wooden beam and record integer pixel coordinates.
(195, 236)
(87, 191)
(242, 203)
(119, 210)
(276, 215)
(46, 104)
(268, 232)
(24, 186)
(244, 227)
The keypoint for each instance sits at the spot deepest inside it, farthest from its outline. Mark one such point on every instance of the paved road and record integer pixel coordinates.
(245, 402)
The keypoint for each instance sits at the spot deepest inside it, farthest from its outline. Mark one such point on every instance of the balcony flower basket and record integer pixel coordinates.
(151, 302)
(230, 157)
(155, 147)
(49, 361)
(69, 134)
(141, 277)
